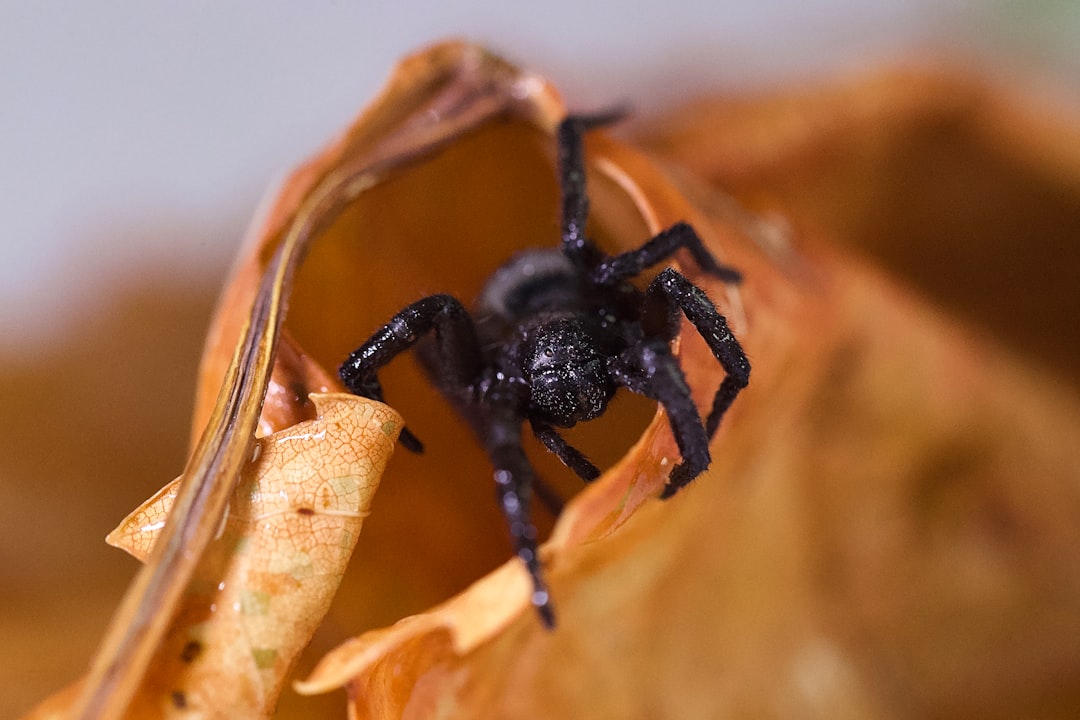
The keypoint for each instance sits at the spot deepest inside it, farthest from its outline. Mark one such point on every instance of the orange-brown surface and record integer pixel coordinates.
(887, 529)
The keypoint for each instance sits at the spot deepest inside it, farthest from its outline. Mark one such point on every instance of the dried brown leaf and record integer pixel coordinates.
(265, 584)
(288, 536)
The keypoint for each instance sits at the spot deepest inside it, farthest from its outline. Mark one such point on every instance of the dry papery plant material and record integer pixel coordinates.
(889, 524)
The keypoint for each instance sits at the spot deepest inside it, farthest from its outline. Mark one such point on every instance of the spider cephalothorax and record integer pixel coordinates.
(556, 332)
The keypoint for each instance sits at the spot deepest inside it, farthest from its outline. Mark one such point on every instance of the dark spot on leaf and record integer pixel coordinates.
(179, 699)
(300, 393)
(305, 511)
(191, 651)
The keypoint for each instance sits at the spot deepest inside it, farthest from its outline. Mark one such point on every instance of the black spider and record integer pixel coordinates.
(555, 333)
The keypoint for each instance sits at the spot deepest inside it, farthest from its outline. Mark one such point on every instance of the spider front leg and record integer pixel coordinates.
(571, 457)
(514, 483)
(680, 235)
(648, 368)
(456, 346)
(670, 292)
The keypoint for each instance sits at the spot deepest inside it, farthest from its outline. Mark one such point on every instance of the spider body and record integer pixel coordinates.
(552, 336)
(555, 333)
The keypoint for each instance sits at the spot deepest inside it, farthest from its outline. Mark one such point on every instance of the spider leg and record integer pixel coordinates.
(456, 346)
(664, 245)
(575, 201)
(514, 482)
(670, 290)
(571, 457)
(648, 368)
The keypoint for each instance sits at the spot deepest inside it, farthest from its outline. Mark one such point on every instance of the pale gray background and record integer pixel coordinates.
(140, 135)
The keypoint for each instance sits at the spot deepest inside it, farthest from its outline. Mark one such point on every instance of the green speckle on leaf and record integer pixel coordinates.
(254, 602)
(249, 489)
(303, 568)
(198, 632)
(345, 485)
(345, 542)
(264, 657)
(389, 428)
(296, 563)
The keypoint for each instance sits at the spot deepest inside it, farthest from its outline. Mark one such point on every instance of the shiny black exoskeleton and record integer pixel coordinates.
(552, 336)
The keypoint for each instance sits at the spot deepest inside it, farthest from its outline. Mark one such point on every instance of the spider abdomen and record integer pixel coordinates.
(529, 284)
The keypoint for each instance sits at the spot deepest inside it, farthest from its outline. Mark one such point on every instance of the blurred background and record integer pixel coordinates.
(136, 141)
